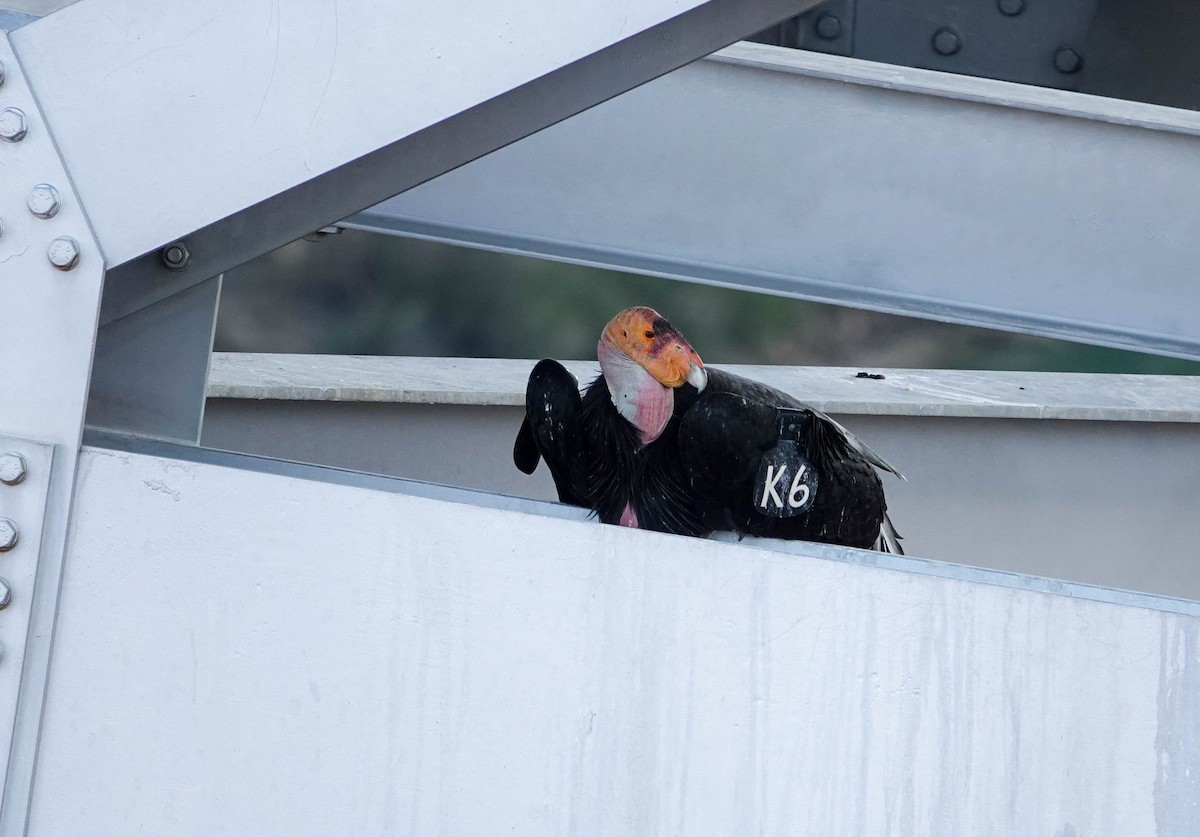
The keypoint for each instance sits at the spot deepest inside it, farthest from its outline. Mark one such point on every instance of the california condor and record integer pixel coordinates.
(661, 442)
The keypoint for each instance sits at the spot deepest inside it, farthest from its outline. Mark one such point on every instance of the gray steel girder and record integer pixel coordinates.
(954, 198)
(51, 274)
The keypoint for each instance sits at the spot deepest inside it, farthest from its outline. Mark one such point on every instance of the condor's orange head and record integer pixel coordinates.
(647, 338)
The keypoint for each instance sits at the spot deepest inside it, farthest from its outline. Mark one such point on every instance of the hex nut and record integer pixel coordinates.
(63, 252)
(13, 469)
(175, 256)
(828, 26)
(13, 126)
(5, 593)
(946, 41)
(1068, 60)
(8, 534)
(44, 201)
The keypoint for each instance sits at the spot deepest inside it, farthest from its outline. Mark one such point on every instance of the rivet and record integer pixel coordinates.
(8, 534)
(946, 41)
(5, 593)
(13, 469)
(828, 26)
(12, 125)
(1011, 7)
(63, 252)
(44, 201)
(175, 256)
(1067, 60)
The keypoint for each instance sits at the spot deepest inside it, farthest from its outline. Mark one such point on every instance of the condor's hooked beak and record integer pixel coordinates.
(646, 337)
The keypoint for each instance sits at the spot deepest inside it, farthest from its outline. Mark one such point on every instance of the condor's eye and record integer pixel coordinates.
(649, 335)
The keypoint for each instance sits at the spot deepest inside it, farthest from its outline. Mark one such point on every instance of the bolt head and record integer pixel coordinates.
(44, 200)
(946, 41)
(8, 534)
(175, 256)
(64, 252)
(5, 593)
(13, 126)
(13, 469)
(1068, 60)
(1011, 7)
(828, 26)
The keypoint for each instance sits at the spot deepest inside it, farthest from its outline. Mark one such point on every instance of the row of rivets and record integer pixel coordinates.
(13, 471)
(948, 42)
(44, 200)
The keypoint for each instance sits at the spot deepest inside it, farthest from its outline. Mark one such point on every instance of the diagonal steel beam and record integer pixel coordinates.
(240, 127)
(954, 198)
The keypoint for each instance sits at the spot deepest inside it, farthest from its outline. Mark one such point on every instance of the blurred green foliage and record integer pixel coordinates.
(359, 293)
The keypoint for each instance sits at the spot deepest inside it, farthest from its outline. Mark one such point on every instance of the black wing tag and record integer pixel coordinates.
(786, 484)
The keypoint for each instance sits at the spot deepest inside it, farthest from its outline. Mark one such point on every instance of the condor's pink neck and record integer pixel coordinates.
(637, 395)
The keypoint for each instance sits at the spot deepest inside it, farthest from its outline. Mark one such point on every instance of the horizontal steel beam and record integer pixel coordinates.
(239, 127)
(1063, 476)
(954, 198)
(393, 663)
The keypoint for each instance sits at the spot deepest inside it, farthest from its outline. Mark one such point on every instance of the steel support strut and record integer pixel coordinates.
(51, 273)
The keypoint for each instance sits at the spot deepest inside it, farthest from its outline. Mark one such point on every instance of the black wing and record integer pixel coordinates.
(724, 435)
(550, 430)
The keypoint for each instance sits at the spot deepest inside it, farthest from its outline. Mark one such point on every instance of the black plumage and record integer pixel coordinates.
(702, 472)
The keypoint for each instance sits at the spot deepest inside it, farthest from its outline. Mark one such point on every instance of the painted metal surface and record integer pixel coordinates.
(491, 382)
(10, 20)
(23, 507)
(151, 367)
(1103, 503)
(949, 197)
(48, 322)
(262, 130)
(285, 656)
(1067, 476)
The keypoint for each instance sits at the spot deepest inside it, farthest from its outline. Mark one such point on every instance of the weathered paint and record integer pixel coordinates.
(240, 652)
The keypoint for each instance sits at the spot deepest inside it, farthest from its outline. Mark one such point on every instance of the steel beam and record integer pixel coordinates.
(151, 367)
(240, 127)
(48, 322)
(1056, 475)
(954, 198)
(284, 655)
